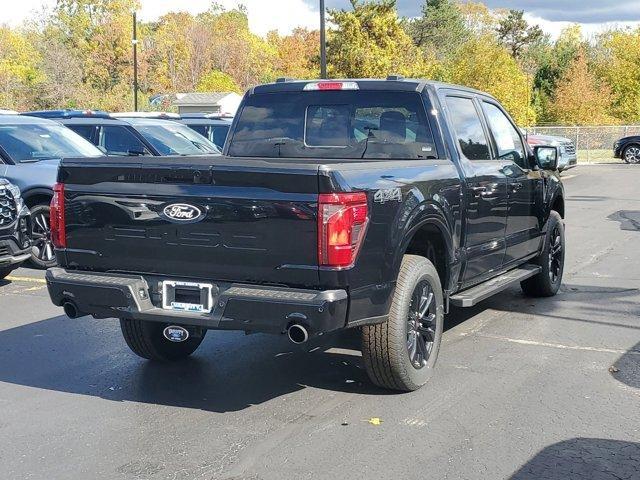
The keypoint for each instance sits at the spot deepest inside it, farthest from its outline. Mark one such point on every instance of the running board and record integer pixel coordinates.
(474, 295)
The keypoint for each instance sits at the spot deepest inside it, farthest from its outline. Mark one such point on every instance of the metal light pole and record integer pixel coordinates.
(323, 43)
(135, 62)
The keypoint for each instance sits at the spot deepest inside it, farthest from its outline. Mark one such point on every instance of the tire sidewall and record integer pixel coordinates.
(402, 302)
(554, 219)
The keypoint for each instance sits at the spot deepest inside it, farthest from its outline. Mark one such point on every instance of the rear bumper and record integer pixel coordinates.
(11, 253)
(236, 306)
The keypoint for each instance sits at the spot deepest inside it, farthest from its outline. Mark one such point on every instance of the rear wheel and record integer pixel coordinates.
(401, 353)
(551, 260)
(42, 253)
(631, 154)
(146, 339)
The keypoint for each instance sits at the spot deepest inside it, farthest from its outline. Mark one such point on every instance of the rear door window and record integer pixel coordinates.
(118, 140)
(219, 135)
(468, 128)
(334, 124)
(85, 131)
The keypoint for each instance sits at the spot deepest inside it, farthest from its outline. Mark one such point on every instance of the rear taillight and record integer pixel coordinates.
(342, 222)
(56, 217)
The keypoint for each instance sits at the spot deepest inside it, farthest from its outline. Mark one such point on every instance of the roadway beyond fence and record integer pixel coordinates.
(594, 144)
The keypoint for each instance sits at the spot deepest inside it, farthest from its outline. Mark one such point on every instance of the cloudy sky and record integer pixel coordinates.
(284, 15)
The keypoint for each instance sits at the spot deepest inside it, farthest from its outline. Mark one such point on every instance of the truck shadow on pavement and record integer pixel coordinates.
(627, 369)
(584, 458)
(229, 372)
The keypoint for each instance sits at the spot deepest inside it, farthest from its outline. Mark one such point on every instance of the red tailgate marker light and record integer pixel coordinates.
(57, 217)
(342, 222)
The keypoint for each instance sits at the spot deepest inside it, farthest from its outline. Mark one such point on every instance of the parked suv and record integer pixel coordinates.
(212, 126)
(567, 156)
(15, 228)
(337, 204)
(120, 135)
(30, 151)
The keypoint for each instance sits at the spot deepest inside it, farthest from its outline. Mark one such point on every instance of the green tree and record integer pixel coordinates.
(484, 64)
(620, 68)
(216, 81)
(370, 41)
(19, 73)
(441, 28)
(516, 34)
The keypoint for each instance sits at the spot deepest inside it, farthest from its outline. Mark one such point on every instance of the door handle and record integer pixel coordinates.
(483, 192)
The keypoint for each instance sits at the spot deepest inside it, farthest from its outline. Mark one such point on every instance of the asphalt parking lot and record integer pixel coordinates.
(525, 388)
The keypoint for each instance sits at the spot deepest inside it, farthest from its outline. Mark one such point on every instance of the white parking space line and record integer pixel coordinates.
(558, 345)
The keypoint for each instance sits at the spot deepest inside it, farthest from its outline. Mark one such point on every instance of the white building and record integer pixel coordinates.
(223, 103)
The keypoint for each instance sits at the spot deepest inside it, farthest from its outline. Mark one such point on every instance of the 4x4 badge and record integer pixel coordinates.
(387, 195)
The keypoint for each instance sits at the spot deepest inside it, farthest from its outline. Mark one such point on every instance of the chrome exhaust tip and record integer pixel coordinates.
(297, 333)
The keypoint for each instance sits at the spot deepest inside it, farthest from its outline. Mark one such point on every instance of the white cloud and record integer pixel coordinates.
(264, 15)
(588, 29)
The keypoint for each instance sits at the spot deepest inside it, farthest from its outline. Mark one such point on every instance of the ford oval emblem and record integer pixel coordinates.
(177, 334)
(182, 212)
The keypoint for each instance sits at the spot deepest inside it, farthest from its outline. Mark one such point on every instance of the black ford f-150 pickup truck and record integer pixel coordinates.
(337, 204)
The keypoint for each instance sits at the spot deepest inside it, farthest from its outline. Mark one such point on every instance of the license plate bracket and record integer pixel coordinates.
(187, 296)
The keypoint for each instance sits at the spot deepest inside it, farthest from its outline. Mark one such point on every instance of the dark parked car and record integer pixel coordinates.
(133, 136)
(30, 150)
(337, 204)
(15, 228)
(214, 127)
(628, 149)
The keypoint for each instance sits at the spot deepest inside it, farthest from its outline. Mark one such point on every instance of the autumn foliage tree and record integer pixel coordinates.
(580, 99)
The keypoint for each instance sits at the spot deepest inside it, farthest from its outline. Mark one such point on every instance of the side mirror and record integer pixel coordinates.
(546, 157)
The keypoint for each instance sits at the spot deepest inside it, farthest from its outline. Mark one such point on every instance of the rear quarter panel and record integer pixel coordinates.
(403, 195)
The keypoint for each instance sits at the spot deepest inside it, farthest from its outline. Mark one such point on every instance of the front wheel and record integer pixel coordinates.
(42, 253)
(401, 353)
(146, 339)
(551, 260)
(631, 154)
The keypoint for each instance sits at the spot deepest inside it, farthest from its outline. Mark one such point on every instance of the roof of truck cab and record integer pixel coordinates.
(405, 84)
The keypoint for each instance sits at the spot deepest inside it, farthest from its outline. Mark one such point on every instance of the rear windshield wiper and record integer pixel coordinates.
(370, 134)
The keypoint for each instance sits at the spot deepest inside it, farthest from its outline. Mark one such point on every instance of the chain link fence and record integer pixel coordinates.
(593, 144)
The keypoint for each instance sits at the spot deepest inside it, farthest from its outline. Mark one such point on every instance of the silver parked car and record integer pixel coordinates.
(566, 148)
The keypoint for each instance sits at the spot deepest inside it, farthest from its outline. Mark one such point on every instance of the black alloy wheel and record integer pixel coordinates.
(556, 254)
(421, 325)
(42, 253)
(632, 154)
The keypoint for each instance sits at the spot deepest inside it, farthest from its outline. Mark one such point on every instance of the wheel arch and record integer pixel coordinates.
(37, 196)
(430, 237)
(558, 204)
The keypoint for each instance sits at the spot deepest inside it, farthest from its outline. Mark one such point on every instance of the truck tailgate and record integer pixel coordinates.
(247, 221)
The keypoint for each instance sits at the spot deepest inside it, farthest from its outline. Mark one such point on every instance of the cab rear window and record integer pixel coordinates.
(334, 124)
